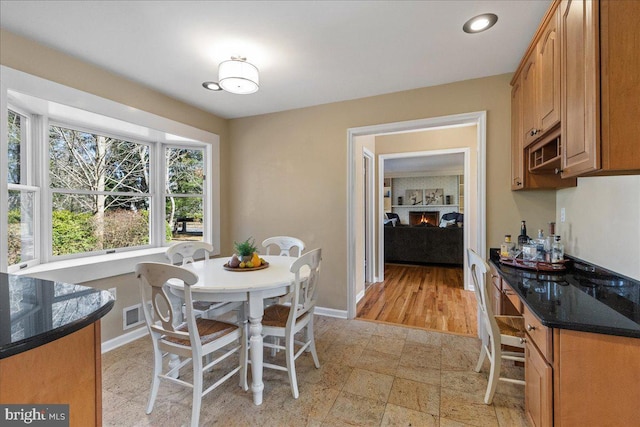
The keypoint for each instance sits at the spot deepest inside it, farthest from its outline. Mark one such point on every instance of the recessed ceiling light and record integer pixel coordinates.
(211, 86)
(480, 23)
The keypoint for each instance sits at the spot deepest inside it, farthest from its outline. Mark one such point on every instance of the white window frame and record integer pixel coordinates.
(29, 178)
(165, 132)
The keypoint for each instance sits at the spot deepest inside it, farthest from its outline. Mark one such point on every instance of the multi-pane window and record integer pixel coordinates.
(184, 192)
(21, 197)
(99, 192)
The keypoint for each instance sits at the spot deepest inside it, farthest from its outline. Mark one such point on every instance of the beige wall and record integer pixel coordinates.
(603, 222)
(290, 169)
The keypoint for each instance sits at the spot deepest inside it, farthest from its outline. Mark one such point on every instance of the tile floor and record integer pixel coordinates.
(372, 374)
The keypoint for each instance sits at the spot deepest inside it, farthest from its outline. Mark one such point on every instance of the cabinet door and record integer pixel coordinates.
(529, 99)
(580, 100)
(517, 153)
(548, 105)
(538, 395)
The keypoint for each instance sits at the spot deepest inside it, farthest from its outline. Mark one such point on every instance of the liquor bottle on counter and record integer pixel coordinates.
(506, 248)
(523, 239)
(557, 251)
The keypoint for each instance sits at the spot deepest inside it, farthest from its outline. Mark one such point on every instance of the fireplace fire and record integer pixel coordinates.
(424, 218)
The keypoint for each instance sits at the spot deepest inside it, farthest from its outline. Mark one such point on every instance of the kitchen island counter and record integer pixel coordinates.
(50, 346)
(34, 312)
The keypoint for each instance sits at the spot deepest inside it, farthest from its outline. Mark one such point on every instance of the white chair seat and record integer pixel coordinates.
(208, 330)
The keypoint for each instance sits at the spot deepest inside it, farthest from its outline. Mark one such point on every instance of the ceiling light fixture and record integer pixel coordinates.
(236, 76)
(480, 23)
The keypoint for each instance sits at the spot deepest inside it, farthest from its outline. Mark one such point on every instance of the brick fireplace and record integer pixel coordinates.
(424, 218)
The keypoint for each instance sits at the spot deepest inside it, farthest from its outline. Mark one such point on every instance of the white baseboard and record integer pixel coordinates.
(331, 312)
(359, 296)
(123, 339)
(128, 337)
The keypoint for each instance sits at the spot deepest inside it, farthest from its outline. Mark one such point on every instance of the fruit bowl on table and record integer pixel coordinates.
(226, 266)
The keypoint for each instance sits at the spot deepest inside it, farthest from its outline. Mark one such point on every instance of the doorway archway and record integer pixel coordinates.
(353, 210)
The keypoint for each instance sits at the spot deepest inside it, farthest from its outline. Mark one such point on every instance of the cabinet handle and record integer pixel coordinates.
(518, 183)
(530, 328)
(534, 132)
(557, 171)
(523, 340)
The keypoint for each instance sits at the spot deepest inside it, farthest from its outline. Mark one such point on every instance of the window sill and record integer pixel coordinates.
(79, 270)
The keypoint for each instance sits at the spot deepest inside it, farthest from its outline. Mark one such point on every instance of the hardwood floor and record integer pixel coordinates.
(428, 297)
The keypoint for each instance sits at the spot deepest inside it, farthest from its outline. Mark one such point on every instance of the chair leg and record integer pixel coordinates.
(312, 346)
(274, 341)
(291, 366)
(483, 353)
(494, 375)
(155, 382)
(197, 391)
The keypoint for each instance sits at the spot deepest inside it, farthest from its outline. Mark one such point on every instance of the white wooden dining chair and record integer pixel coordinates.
(501, 330)
(286, 320)
(282, 246)
(192, 340)
(185, 252)
(287, 246)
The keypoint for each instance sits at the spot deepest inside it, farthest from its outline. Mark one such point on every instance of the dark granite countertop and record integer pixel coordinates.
(583, 298)
(34, 312)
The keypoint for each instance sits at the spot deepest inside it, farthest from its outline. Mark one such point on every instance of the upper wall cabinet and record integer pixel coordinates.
(517, 159)
(600, 87)
(540, 77)
(535, 111)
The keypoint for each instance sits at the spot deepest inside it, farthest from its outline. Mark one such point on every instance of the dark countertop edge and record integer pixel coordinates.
(47, 337)
(581, 327)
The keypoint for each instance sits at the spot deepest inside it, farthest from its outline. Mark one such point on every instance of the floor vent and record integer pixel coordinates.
(132, 316)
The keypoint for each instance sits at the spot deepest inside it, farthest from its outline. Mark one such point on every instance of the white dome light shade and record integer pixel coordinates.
(238, 76)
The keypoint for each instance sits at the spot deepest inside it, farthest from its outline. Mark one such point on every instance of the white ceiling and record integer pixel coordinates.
(425, 164)
(308, 52)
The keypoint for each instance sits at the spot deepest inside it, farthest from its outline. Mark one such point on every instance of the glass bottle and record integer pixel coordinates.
(557, 251)
(507, 247)
(523, 239)
(548, 241)
(540, 245)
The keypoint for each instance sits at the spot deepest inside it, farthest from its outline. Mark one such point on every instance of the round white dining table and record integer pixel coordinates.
(215, 283)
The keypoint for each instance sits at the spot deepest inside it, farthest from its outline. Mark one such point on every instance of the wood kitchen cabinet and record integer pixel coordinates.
(538, 371)
(597, 378)
(576, 378)
(517, 159)
(538, 387)
(65, 371)
(504, 301)
(541, 82)
(600, 87)
(535, 108)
